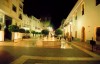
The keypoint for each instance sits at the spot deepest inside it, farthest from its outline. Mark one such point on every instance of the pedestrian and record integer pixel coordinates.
(72, 38)
(93, 43)
(65, 37)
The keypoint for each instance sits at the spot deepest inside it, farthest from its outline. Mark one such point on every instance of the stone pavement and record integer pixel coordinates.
(86, 46)
(76, 55)
(26, 52)
(22, 43)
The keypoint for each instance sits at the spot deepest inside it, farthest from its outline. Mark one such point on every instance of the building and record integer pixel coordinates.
(83, 22)
(46, 22)
(36, 24)
(26, 22)
(31, 23)
(11, 12)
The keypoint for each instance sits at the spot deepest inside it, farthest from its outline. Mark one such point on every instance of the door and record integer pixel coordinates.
(8, 34)
(98, 34)
(83, 35)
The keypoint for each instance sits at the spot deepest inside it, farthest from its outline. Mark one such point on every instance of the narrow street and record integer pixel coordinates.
(49, 31)
(26, 52)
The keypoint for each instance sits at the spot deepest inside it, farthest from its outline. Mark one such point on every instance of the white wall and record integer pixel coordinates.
(90, 20)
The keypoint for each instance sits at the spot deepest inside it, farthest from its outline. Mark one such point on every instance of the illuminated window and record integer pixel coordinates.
(97, 2)
(82, 9)
(14, 8)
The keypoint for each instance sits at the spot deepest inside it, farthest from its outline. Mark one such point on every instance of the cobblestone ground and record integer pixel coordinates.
(26, 52)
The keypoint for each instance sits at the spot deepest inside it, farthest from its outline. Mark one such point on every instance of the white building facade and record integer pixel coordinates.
(83, 22)
(11, 12)
(31, 23)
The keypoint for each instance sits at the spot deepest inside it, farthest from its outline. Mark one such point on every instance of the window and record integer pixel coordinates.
(97, 2)
(76, 17)
(82, 9)
(20, 16)
(14, 8)
(20, 6)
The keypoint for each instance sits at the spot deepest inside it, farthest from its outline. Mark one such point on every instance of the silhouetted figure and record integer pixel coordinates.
(72, 38)
(93, 43)
(65, 37)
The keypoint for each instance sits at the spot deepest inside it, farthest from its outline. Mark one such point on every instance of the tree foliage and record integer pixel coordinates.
(45, 32)
(22, 30)
(27, 31)
(13, 28)
(58, 32)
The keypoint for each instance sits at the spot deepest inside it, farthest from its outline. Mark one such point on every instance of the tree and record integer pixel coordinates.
(33, 32)
(13, 28)
(22, 30)
(45, 32)
(27, 31)
(58, 32)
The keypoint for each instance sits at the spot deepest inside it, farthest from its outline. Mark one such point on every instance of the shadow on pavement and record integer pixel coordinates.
(5, 57)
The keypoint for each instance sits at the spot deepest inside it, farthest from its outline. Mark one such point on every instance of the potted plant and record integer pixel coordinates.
(14, 29)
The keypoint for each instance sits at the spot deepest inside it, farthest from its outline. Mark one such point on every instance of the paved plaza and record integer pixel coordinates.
(27, 52)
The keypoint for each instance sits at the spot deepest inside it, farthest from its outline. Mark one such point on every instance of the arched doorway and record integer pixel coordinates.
(98, 34)
(83, 34)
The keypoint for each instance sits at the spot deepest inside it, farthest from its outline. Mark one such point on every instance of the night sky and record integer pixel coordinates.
(55, 9)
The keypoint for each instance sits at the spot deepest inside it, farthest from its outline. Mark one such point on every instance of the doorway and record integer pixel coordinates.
(75, 34)
(98, 34)
(83, 35)
(8, 34)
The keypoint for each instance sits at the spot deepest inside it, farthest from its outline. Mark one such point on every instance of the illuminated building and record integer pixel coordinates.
(85, 21)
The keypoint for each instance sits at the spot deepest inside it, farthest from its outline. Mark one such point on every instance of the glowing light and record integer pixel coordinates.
(70, 23)
(26, 28)
(50, 29)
